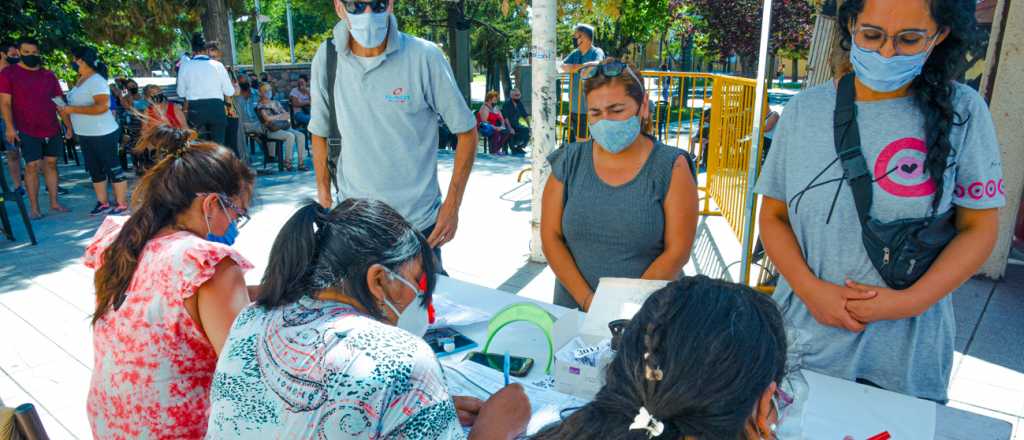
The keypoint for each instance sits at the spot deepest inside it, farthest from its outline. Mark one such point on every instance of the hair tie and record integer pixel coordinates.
(646, 422)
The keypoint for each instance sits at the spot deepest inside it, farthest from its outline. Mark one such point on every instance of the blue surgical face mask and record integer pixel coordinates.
(369, 29)
(615, 136)
(883, 74)
(229, 235)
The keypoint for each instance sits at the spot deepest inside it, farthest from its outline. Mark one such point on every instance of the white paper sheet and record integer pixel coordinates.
(616, 298)
(546, 403)
(449, 313)
(837, 408)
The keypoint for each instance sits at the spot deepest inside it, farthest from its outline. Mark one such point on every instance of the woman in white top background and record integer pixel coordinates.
(97, 130)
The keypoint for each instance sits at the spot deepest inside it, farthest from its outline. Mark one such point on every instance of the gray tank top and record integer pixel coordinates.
(611, 231)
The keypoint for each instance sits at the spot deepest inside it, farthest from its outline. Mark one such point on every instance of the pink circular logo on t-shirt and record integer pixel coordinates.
(901, 168)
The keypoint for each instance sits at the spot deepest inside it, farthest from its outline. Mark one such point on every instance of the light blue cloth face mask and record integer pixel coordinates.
(615, 136)
(883, 74)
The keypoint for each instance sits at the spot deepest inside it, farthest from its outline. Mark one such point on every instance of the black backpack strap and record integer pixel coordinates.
(334, 137)
(847, 144)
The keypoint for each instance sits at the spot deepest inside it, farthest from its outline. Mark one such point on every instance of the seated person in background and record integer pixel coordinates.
(489, 114)
(278, 126)
(299, 97)
(515, 112)
(168, 287)
(332, 348)
(161, 111)
(701, 360)
(622, 204)
(132, 97)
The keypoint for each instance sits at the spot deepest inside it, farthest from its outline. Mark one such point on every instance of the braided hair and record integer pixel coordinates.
(697, 356)
(933, 90)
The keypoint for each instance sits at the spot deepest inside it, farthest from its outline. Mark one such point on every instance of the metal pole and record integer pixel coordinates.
(755, 142)
(291, 38)
(231, 37)
(258, 60)
(544, 111)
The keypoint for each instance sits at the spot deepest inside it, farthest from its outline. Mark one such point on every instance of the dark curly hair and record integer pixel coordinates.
(933, 89)
(719, 346)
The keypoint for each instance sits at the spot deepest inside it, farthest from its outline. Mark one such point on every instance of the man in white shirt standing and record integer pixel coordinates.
(204, 83)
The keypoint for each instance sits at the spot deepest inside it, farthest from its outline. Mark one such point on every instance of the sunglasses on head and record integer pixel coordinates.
(356, 8)
(608, 70)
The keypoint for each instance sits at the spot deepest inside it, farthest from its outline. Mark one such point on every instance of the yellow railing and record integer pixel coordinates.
(709, 115)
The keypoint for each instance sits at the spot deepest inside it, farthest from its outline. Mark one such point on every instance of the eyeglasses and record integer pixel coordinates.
(609, 70)
(241, 215)
(904, 43)
(618, 328)
(377, 6)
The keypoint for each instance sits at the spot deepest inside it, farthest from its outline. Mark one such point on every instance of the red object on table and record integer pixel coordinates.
(882, 436)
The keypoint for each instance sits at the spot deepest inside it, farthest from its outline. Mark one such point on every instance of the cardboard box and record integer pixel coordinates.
(615, 298)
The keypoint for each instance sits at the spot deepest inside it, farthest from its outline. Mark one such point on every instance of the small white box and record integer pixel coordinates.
(615, 298)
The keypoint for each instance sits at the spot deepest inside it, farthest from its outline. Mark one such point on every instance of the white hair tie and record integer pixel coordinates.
(645, 421)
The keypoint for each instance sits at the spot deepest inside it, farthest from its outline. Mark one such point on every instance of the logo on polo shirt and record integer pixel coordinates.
(398, 96)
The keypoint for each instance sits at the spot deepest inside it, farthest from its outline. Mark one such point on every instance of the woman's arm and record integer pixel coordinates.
(769, 124)
(100, 104)
(219, 300)
(680, 208)
(977, 231)
(825, 301)
(554, 247)
(483, 113)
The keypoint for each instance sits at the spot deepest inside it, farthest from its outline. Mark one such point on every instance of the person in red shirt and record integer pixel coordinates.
(30, 116)
(9, 56)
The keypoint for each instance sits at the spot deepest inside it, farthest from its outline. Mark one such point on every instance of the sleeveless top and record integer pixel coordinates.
(153, 364)
(611, 231)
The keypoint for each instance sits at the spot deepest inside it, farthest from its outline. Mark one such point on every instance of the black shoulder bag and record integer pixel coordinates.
(901, 250)
(334, 138)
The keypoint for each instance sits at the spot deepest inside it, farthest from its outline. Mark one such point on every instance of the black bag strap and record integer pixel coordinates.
(334, 134)
(847, 143)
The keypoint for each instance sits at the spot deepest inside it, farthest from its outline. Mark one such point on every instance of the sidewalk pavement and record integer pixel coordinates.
(46, 297)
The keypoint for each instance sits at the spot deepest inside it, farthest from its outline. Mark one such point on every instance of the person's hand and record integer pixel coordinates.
(447, 224)
(467, 408)
(504, 416)
(69, 133)
(12, 135)
(64, 111)
(827, 303)
(887, 305)
(512, 130)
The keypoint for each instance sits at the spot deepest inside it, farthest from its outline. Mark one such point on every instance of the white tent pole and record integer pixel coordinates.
(755, 140)
(544, 111)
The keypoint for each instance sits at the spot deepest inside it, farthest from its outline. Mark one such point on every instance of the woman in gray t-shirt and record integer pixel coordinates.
(621, 205)
(930, 146)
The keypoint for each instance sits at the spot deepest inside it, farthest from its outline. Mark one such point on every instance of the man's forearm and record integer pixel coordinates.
(323, 175)
(5, 111)
(464, 155)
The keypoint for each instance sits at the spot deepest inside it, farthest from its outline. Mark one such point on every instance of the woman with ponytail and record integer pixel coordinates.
(333, 348)
(168, 286)
(97, 130)
(862, 305)
(622, 204)
(701, 360)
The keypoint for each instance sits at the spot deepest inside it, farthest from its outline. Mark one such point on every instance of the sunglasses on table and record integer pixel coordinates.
(356, 8)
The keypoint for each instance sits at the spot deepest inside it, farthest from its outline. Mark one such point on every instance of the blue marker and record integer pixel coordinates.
(505, 369)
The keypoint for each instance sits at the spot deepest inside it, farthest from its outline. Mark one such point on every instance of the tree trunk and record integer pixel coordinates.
(796, 69)
(215, 27)
(506, 78)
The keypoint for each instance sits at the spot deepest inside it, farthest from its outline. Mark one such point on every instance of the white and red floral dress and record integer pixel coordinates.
(153, 363)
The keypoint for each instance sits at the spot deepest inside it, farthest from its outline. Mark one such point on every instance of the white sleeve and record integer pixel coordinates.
(182, 86)
(227, 88)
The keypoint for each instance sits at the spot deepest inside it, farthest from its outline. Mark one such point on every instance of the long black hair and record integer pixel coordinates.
(719, 346)
(933, 90)
(91, 58)
(319, 248)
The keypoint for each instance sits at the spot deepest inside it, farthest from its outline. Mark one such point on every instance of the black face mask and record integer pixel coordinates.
(133, 90)
(575, 42)
(73, 66)
(160, 99)
(32, 61)
(13, 60)
(244, 86)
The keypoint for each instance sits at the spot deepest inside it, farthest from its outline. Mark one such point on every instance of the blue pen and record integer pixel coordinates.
(505, 369)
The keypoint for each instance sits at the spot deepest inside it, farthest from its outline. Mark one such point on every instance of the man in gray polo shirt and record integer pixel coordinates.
(389, 89)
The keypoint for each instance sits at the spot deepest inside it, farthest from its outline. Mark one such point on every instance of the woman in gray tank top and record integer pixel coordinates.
(622, 204)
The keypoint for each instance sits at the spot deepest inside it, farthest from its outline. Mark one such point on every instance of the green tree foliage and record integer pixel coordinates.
(621, 24)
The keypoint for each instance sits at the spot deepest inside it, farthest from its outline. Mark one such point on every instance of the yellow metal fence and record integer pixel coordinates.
(709, 115)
